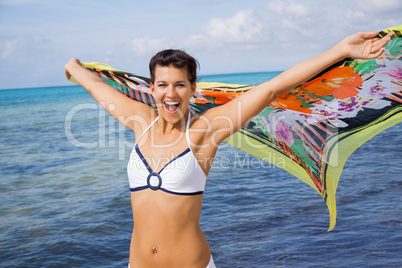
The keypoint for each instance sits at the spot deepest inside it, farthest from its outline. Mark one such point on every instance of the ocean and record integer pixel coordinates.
(65, 199)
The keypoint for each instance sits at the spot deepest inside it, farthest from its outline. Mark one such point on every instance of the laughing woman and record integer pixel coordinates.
(174, 149)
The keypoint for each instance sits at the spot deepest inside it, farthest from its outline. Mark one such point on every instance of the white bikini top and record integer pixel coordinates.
(182, 175)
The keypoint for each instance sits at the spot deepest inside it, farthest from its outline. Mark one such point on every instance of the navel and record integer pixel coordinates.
(154, 250)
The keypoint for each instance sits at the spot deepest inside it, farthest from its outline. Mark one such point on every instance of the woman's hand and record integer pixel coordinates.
(72, 61)
(364, 45)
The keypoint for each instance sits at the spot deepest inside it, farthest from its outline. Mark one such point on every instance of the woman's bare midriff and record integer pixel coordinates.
(166, 231)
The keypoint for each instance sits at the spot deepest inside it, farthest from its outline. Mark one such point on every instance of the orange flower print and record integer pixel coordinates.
(341, 83)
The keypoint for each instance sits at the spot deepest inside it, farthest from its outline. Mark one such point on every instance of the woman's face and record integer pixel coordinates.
(172, 91)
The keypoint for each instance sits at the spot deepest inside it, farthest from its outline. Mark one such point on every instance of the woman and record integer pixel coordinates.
(174, 149)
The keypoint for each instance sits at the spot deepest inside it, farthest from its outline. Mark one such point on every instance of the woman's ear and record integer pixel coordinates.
(193, 88)
(151, 87)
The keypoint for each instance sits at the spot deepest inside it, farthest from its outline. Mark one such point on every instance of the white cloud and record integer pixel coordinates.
(298, 10)
(277, 7)
(294, 16)
(288, 8)
(143, 46)
(244, 30)
(24, 48)
(318, 24)
(297, 24)
(371, 15)
(10, 47)
(280, 24)
(243, 27)
(380, 5)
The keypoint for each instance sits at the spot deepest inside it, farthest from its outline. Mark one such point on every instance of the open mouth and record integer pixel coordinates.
(171, 106)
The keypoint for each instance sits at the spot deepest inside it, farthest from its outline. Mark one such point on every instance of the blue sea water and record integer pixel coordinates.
(65, 199)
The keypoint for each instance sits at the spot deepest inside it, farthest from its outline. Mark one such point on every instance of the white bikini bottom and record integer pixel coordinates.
(211, 263)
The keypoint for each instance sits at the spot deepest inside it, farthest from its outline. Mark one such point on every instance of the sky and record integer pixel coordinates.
(38, 37)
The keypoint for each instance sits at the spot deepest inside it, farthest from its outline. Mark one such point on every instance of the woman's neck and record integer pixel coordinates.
(166, 127)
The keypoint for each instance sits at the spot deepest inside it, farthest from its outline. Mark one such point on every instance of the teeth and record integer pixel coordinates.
(172, 106)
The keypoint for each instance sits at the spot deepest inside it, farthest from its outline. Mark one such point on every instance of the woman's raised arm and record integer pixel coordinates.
(133, 114)
(235, 114)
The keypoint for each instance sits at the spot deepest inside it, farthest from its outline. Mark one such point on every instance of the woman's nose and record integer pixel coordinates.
(171, 92)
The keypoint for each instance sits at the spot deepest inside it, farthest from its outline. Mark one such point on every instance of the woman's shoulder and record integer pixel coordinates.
(142, 119)
(200, 129)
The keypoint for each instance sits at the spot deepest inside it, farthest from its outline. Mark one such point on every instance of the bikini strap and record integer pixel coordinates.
(147, 129)
(187, 132)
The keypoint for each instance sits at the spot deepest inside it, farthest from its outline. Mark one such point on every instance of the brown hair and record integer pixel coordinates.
(176, 58)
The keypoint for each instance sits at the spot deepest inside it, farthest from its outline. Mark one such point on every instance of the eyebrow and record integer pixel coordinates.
(175, 82)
